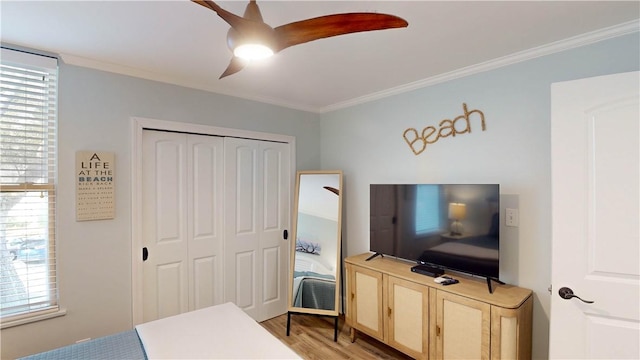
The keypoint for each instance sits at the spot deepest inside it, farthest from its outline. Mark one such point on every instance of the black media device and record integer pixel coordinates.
(427, 270)
(438, 226)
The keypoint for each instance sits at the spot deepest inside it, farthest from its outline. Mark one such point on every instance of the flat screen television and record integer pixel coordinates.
(441, 226)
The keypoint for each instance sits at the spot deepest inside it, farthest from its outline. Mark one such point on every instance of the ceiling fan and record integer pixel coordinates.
(251, 38)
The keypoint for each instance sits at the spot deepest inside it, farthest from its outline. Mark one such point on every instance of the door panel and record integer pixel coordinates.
(242, 177)
(257, 179)
(205, 282)
(408, 316)
(596, 207)
(169, 183)
(270, 274)
(170, 299)
(367, 307)
(205, 219)
(612, 157)
(245, 175)
(366, 301)
(465, 327)
(243, 289)
(164, 200)
(276, 214)
(182, 221)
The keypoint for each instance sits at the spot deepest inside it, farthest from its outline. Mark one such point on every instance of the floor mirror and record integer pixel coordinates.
(314, 276)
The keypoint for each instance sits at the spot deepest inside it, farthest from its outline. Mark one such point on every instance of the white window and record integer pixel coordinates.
(28, 122)
(427, 209)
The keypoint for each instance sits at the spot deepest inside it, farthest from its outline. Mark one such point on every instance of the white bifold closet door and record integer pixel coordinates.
(214, 211)
(257, 202)
(182, 222)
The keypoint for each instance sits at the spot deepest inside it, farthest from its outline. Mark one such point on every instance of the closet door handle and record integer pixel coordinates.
(285, 234)
(145, 254)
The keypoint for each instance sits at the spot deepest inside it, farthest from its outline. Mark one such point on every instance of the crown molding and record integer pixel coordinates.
(547, 49)
(154, 76)
(558, 46)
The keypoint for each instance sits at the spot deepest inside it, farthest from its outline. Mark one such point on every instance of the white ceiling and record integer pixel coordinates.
(183, 43)
(314, 199)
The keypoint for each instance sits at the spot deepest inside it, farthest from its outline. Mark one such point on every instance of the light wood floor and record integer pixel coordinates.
(312, 338)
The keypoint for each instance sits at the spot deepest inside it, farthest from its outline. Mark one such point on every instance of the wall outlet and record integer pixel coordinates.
(512, 217)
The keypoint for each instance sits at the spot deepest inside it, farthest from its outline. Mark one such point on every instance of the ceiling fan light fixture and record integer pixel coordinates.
(252, 51)
(250, 38)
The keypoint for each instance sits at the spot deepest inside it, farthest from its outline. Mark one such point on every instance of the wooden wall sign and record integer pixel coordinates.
(430, 135)
(95, 194)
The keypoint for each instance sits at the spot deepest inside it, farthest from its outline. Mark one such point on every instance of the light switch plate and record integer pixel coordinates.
(512, 217)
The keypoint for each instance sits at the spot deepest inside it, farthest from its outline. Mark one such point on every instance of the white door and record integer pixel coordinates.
(257, 183)
(182, 222)
(595, 205)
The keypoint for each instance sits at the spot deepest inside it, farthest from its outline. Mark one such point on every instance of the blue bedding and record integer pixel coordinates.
(124, 345)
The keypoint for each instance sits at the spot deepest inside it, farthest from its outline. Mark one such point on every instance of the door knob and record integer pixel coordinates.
(568, 294)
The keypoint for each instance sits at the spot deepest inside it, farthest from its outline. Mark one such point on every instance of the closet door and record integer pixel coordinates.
(205, 220)
(182, 222)
(257, 183)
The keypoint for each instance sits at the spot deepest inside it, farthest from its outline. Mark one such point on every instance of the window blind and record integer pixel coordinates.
(28, 161)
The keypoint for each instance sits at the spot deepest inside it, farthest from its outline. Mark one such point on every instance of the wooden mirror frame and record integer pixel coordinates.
(329, 188)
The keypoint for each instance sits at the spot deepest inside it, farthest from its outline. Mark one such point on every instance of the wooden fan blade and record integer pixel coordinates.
(236, 22)
(332, 189)
(332, 25)
(235, 65)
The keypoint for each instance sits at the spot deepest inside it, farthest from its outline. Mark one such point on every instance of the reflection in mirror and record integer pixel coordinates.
(315, 270)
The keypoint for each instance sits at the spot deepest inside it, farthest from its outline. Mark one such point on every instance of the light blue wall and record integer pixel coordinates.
(366, 142)
(94, 257)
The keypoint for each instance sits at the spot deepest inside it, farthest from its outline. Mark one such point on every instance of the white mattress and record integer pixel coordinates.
(217, 332)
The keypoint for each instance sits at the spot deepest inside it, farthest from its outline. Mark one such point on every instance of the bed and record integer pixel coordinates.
(314, 283)
(479, 254)
(476, 254)
(217, 332)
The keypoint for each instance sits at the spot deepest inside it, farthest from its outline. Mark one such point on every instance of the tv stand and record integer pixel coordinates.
(489, 284)
(411, 313)
(374, 255)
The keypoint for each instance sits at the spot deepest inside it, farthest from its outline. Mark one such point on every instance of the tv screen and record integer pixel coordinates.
(447, 226)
